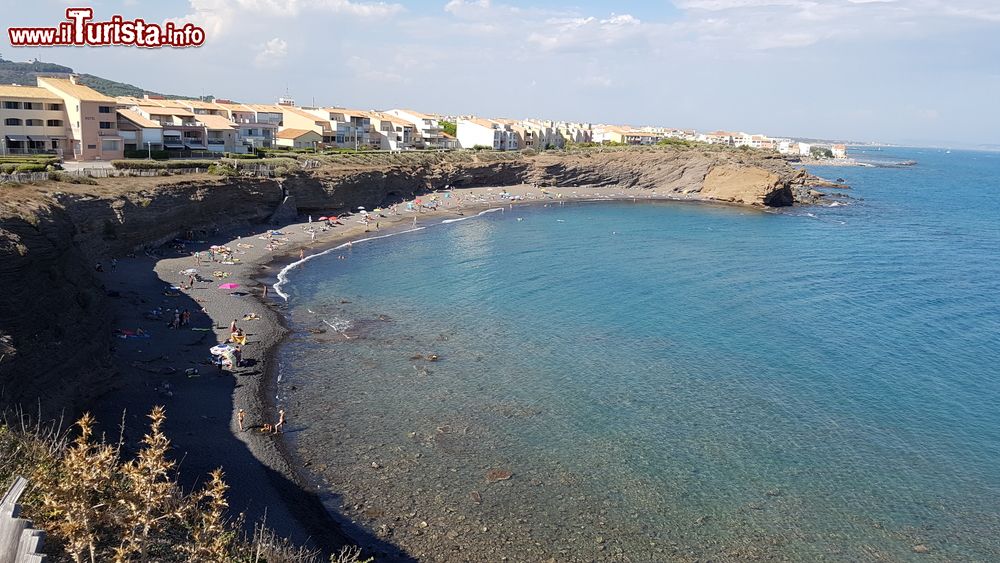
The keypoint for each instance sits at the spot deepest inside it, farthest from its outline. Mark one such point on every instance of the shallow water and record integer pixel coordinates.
(667, 380)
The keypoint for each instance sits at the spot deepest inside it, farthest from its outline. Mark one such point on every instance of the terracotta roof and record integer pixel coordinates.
(132, 101)
(293, 133)
(138, 119)
(33, 92)
(199, 104)
(160, 110)
(270, 108)
(416, 114)
(480, 122)
(78, 91)
(216, 121)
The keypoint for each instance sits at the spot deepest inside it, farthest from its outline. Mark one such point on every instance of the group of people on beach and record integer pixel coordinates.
(180, 319)
(267, 428)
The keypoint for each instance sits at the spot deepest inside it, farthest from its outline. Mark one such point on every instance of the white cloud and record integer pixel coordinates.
(272, 53)
(366, 70)
(219, 17)
(595, 80)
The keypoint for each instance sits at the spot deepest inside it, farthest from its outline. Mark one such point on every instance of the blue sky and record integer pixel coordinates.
(923, 71)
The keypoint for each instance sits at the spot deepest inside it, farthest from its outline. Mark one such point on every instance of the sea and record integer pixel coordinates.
(667, 381)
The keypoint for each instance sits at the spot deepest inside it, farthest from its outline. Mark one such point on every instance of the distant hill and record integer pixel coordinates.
(24, 74)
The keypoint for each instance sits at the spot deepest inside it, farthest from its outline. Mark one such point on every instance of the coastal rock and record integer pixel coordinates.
(748, 185)
(494, 475)
(921, 548)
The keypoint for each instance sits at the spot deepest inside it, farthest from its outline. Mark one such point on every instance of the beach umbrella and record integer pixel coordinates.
(219, 349)
(361, 207)
(229, 286)
(323, 219)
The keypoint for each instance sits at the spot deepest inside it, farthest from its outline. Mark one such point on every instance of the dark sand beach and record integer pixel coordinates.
(202, 407)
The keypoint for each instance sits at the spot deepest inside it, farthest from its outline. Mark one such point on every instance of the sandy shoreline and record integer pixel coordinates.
(202, 409)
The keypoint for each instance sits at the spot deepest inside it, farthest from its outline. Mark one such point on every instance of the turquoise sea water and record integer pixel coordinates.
(669, 381)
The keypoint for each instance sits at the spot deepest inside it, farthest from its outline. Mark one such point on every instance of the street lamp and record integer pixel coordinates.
(149, 147)
(3, 144)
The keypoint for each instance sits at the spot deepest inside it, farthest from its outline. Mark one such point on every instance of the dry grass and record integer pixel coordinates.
(96, 506)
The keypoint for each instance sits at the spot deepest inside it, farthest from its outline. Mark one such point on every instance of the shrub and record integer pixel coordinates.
(222, 170)
(240, 156)
(95, 506)
(31, 168)
(481, 148)
(57, 176)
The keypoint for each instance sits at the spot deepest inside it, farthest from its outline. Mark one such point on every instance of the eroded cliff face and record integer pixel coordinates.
(55, 334)
(53, 321)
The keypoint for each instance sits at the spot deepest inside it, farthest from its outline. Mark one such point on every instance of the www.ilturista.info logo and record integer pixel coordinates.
(79, 30)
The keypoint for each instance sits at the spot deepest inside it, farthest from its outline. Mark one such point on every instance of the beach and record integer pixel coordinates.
(157, 367)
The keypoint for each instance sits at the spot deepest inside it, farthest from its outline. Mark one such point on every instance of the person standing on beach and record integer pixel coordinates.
(239, 418)
(302, 253)
(232, 327)
(281, 422)
(197, 257)
(238, 356)
(265, 291)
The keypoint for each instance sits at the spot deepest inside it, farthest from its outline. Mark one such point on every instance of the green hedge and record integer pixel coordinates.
(160, 165)
(31, 168)
(240, 156)
(156, 155)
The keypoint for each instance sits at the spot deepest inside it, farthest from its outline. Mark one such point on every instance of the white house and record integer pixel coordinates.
(473, 132)
(298, 139)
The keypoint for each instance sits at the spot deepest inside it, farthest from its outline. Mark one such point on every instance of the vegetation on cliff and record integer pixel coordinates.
(95, 505)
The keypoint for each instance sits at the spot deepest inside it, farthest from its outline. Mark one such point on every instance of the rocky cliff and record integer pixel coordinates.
(55, 335)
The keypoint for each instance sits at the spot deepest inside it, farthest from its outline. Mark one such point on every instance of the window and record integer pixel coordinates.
(12, 121)
(33, 122)
(54, 107)
(12, 105)
(107, 125)
(109, 145)
(104, 109)
(54, 123)
(91, 146)
(32, 105)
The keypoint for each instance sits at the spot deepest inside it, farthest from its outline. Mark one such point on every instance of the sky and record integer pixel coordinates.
(901, 71)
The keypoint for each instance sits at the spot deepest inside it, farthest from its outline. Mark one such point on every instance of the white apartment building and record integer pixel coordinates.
(428, 128)
(473, 132)
(392, 133)
(59, 117)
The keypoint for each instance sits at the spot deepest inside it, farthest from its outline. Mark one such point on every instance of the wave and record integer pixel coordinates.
(283, 274)
(490, 210)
